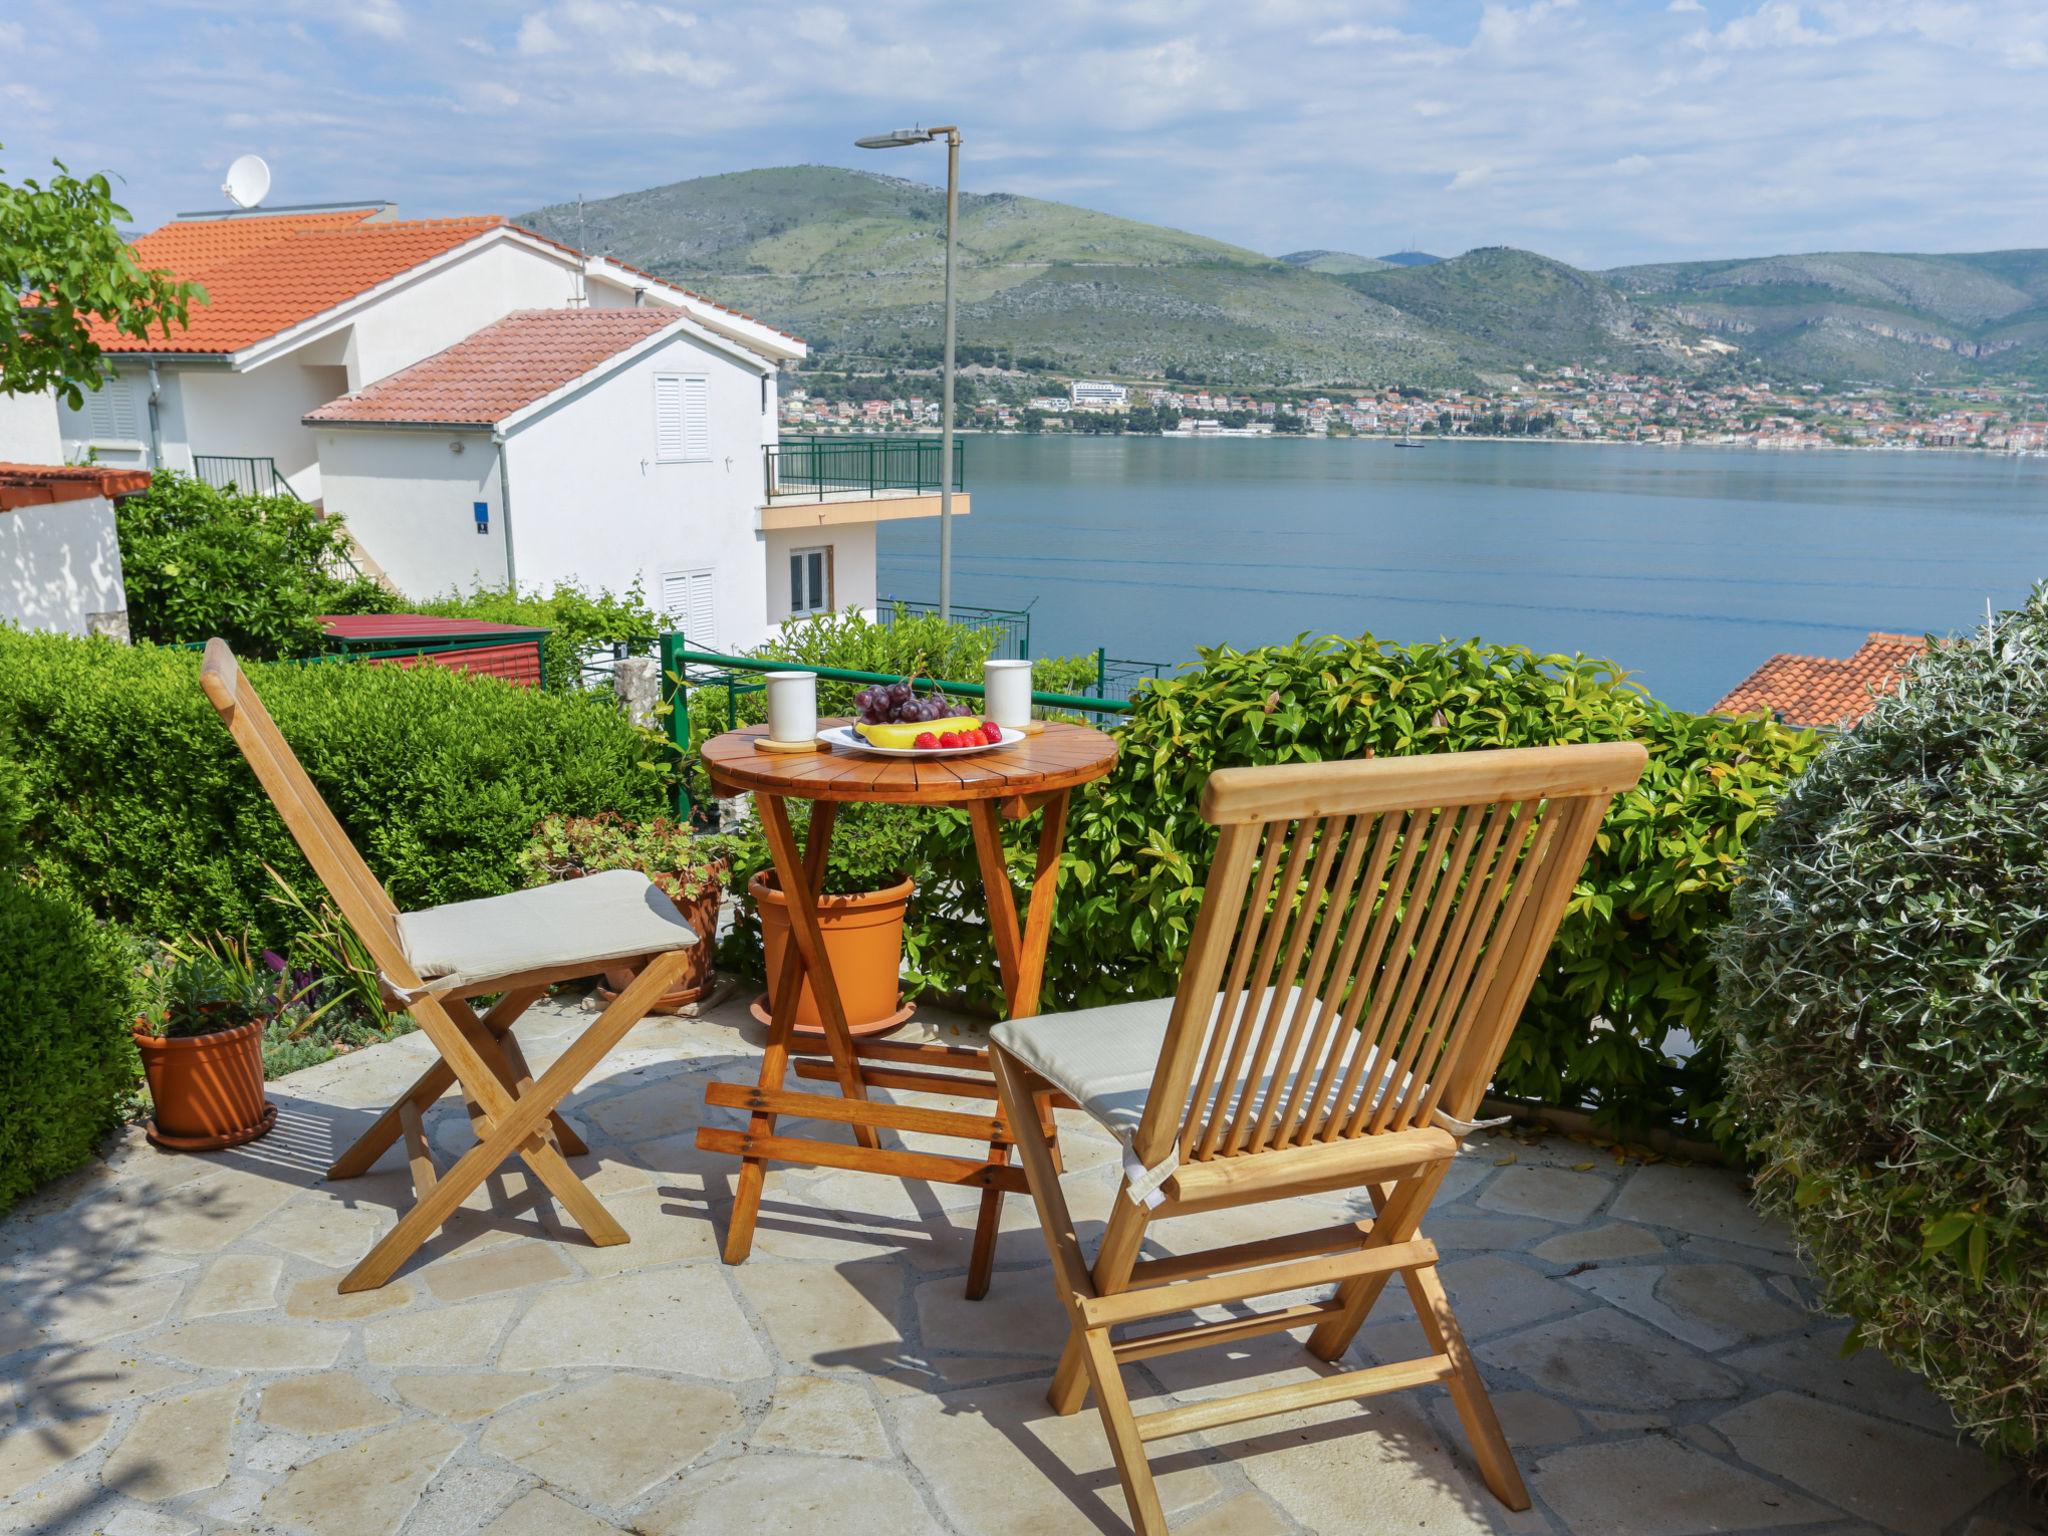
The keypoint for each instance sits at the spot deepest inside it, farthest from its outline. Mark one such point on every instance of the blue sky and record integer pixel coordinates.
(1600, 131)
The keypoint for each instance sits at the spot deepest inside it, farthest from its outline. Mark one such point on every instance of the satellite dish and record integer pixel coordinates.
(248, 181)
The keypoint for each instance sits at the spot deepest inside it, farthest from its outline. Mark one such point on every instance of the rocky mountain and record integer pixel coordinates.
(1860, 314)
(854, 262)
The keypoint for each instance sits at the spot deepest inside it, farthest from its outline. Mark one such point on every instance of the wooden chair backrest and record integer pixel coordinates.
(320, 837)
(1380, 923)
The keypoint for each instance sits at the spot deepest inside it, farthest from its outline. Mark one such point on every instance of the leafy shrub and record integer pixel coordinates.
(143, 807)
(686, 865)
(1635, 947)
(67, 999)
(255, 570)
(580, 621)
(1884, 989)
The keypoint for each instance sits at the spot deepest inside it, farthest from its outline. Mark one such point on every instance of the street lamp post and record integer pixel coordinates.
(899, 139)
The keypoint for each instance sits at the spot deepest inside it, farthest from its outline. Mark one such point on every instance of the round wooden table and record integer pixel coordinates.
(1036, 774)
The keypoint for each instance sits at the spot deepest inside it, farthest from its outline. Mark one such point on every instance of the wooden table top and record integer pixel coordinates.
(1059, 757)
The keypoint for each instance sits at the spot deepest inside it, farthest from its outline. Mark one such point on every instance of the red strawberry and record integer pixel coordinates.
(926, 741)
(992, 731)
(973, 739)
(950, 739)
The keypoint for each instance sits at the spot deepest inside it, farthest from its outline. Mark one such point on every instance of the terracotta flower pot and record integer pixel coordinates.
(207, 1089)
(863, 940)
(695, 978)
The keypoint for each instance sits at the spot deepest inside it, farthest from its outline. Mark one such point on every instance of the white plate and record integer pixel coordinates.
(843, 736)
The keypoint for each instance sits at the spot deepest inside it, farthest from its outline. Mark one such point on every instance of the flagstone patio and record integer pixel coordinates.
(176, 1359)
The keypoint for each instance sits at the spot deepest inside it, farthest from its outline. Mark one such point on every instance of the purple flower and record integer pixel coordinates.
(274, 960)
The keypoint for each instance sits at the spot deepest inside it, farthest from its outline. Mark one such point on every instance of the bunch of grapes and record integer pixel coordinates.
(898, 704)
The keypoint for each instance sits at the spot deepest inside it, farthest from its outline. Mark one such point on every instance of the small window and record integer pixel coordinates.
(688, 601)
(810, 581)
(110, 414)
(682, 418)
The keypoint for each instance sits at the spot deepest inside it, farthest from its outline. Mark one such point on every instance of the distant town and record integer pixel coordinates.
(1568, 403)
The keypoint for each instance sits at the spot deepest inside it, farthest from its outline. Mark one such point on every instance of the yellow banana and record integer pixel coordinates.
(905, 735)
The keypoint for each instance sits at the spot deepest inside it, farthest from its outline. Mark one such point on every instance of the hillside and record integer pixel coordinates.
(1860, 314)
(854, 262)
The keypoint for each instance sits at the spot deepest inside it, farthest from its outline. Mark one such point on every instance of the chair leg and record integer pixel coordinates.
(1121, 1240)
(1400, 1215)
(1141, 1494)
(987, 1227)
(515, 1128)
(1468, 1391)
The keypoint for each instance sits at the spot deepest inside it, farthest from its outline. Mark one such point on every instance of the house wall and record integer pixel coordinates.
(60, 568)
(853, 565)
(28, 430)
(255, 414)
(410, 502)
(592, 503)
(441, 307)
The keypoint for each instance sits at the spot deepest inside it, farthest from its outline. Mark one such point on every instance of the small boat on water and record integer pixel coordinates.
(1408, 440)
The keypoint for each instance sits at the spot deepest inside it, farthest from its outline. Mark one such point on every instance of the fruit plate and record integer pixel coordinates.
(842, 736)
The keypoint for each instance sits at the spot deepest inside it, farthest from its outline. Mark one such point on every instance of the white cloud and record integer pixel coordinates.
(538, 37)
(1774, 24)
(1632, 165)
(1471, 176)
(1681, 7)
(379, 18)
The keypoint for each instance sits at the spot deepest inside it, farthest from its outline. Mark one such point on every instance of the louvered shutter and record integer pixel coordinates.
(688, 599)
(668, 417)
(696, 417)
(682, 418)
(110, 415)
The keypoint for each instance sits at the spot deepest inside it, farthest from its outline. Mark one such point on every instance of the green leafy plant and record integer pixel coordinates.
(143, 808)
(68, 999)
(258, 571)
(63, 264)
(207, 986)
(336, 953)
(686, 865)
(578, 622)
(1884, 1016)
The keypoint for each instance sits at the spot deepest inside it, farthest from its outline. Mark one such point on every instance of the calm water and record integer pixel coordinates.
(1688, 566)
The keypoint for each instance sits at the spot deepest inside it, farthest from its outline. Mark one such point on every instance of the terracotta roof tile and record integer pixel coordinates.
(499, 370)
(265, 275)
(1825, 690)
(34, 485)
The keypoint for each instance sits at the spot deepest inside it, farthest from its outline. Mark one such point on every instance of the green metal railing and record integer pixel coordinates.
(827, 466)
(244, 476)
(1119, 678)
(713, 668)
(1011, 626)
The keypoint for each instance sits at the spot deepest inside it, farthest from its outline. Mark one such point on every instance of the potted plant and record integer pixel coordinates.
(201, 1041)
(867, 891)
(689, 868)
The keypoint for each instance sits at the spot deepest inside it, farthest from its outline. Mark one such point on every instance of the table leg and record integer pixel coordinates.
(1020, 957)
(806, 879)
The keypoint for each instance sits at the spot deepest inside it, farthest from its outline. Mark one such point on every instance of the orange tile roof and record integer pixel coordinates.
(1825, 690)
(37, 485)
(265, 275)
(500, 369)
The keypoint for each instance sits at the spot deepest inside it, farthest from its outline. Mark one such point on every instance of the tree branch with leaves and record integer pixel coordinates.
(63, 264)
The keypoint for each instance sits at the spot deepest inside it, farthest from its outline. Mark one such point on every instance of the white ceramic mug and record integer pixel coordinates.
(1006, 694)
(792, 705)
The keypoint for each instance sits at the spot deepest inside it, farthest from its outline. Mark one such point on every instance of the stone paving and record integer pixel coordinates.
(175, 1357)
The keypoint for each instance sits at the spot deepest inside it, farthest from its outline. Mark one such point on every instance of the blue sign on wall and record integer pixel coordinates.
(483, 516)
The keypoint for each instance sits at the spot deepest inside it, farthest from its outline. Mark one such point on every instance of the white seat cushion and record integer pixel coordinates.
(598, 920)
(1103, 1058)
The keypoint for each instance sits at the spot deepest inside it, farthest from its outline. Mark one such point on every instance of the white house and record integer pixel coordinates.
(60, 562)
(552, 425)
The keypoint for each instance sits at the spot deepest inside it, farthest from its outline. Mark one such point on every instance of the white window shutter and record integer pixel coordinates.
(110, 415)
(696, 417)
(682, 418)
(688, 599)
(668, 417)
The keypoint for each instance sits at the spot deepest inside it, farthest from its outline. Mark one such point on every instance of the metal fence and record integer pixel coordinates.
(242, 476)
(1011, 626)
(837, 466)
(1117, 678)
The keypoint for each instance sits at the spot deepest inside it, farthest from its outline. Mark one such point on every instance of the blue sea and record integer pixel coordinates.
(1687, 566)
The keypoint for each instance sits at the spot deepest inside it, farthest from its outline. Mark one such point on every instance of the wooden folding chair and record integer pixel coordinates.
(431, 962)
(1368, 937)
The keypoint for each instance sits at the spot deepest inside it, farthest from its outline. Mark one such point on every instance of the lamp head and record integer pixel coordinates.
(897, 139)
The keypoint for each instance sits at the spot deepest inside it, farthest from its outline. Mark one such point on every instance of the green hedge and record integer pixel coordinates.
(577, 621)
(1885, 998)
(141, 805)
(67, 1002)
(1635, 947)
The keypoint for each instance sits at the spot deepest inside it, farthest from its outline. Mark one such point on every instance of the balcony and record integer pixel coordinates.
(809, 482)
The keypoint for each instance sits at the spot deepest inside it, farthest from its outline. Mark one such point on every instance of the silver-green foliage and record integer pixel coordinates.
(1884, 1002)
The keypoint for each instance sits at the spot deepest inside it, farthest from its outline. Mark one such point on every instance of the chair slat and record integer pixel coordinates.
(1244, 944)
